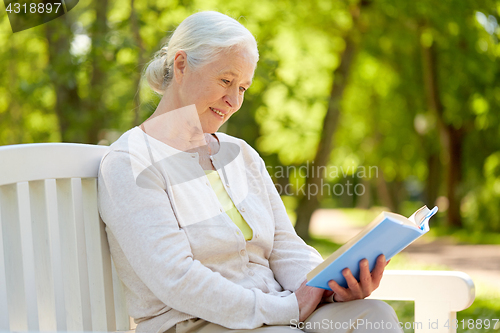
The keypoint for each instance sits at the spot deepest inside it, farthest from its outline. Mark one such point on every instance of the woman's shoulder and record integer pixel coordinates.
(127, 140)
(129, 156)
(129, 146)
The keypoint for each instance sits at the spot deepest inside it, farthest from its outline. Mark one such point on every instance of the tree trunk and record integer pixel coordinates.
(15, 114)
(134, 24)
(95, 104)
(384, 193)
(364, 201)
(454, 177)
(309, 203)
(62, 73)
(433, 179)
(451, 138)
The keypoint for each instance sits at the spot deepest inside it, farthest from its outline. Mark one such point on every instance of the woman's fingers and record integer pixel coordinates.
(353, 284)
(341, 294)
(378, 271)
(368, 282)
(327, 293)
(365, 278)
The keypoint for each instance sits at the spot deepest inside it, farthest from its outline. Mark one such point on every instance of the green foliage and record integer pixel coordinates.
(482, 203)
(75, 79)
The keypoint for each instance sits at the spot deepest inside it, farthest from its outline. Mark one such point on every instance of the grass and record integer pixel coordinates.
(360, 217)
(465, 236)
(485, 307)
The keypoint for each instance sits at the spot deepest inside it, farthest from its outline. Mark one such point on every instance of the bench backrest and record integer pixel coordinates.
(56, 272)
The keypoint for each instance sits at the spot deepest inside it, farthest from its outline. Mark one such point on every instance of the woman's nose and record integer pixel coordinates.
(232, 99)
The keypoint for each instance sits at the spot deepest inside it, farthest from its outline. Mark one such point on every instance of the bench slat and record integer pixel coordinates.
(27, 255)
(103, 316)
(4, 305)
(55, 250)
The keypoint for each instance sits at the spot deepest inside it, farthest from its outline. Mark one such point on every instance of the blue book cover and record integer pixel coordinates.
(388, 234)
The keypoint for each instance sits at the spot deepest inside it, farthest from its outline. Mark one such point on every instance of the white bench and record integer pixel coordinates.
(56, 273)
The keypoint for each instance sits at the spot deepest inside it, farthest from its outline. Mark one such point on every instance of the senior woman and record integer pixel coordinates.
(197, 231)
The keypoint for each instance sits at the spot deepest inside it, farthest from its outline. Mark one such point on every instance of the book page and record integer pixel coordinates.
(421, 217)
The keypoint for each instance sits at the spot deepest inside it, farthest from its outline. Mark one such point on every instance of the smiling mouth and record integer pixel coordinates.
(217, 111)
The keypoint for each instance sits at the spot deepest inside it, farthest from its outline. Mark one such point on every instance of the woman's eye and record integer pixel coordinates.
(225, 81)
(242, 89)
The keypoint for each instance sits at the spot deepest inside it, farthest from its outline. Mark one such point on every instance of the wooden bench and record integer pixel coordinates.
(56, 273)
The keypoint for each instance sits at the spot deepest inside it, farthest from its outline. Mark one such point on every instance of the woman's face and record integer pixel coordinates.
(217, 89)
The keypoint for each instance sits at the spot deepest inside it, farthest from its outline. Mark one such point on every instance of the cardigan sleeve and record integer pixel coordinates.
(291, 258)
(143, 222)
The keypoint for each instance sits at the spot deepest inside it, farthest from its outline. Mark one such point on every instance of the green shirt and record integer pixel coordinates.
(228, 204)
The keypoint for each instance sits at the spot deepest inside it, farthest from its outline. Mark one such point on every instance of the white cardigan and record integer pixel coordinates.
(176, 251)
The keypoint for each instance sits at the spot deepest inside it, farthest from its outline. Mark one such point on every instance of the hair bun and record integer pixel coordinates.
(163, 51)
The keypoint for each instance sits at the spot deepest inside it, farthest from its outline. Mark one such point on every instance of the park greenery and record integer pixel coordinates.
(410, 88)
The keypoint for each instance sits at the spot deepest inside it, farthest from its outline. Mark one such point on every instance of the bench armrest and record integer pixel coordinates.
(438, 295)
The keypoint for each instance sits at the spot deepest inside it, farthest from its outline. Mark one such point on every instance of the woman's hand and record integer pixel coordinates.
(308, 299)
(367, 284)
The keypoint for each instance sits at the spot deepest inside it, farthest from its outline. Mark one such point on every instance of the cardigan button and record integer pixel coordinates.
(242, 252)
(251, 273)
(193, 156)
(242, 209)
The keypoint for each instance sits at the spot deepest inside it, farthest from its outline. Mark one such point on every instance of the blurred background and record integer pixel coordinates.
(397, 102)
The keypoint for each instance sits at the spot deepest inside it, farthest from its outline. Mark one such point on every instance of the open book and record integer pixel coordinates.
(388, 234)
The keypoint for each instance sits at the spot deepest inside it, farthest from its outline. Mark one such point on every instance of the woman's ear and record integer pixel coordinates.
(180, 64)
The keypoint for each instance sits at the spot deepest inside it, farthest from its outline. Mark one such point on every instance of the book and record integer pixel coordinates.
(387, 234)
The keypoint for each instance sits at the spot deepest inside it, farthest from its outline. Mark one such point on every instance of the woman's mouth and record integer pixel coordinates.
(217, 112)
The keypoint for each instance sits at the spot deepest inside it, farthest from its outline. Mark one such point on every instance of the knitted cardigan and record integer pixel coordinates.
(179, 255)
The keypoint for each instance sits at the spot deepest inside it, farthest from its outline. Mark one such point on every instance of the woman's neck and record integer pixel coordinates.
(177, 127)
(180, 128)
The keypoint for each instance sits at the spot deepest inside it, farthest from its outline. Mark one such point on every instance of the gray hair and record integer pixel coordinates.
(203, 36)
